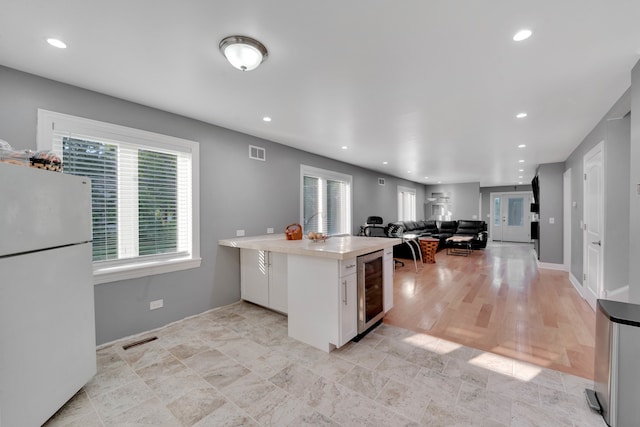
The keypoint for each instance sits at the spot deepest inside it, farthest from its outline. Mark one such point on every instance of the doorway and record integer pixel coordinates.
(510, 216)
(593, 240)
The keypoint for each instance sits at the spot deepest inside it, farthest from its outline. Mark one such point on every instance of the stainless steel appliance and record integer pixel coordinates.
(617, 362)
(370, 290)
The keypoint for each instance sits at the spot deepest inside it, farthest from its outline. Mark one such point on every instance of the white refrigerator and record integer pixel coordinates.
(47, 320)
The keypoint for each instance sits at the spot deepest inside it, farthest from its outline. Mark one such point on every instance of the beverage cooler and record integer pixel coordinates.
(617, 363)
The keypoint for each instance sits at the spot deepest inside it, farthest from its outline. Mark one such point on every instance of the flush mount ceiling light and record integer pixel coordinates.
(521, 115)
(244, 53)
(266, 119)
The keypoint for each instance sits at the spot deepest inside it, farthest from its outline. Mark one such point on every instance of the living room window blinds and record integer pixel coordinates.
(142, 190)
(326, 201)
(406, 204)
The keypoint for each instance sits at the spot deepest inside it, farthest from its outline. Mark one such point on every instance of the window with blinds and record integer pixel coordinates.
(326, 201)
(406, 204)
(142, 189)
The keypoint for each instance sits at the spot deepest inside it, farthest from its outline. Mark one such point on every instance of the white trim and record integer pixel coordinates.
(324, 174)
(619, 294)
(551, 266)
(402, 215)
(501, 194)
(576, 284)
(585, 242)
(141, 334)
(566, 241)
(133, 271)
(48, 121)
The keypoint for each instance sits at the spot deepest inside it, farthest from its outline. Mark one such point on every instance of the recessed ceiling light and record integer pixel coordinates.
(522, 35)
(520, 161)
(408, 171)
(521, 115)
(520, 170)
(439, 182)
(344, 147)
(57, 43)
(266, 119)
(520, 182)
(520, 177)
(426, 177)
(522, 145)
(385, 163)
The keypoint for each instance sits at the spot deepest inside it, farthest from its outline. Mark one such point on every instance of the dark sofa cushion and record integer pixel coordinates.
(470, 227)
(448, 227)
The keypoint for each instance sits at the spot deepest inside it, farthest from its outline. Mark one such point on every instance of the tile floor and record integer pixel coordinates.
(235, 366)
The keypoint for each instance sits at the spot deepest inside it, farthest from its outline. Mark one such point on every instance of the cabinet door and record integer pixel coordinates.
(254, 276)
(278, 281)
(387, 279)
(348, 308)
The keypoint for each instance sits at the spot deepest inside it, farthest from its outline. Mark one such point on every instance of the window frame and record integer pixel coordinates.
(324, 174)
(401, 190)
(105, 271)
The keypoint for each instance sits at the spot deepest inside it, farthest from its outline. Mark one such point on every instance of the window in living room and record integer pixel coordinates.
(326, 201)
(143, 189)
(406, 204)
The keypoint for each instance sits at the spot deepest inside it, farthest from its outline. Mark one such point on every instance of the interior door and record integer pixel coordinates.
(511, 221)
(593, 224)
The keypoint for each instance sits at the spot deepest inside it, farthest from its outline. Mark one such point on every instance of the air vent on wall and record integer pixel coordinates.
(257, 153)
(380, 181)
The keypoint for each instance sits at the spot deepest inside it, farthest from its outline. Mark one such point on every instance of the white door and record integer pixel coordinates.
(510, 217)
(593, 224)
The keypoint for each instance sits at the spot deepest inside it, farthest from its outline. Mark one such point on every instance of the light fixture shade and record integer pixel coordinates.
(244, 53)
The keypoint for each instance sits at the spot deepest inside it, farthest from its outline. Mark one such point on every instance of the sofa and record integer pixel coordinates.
(441, 231)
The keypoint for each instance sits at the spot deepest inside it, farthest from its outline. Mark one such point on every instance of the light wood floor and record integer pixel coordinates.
(497, 300)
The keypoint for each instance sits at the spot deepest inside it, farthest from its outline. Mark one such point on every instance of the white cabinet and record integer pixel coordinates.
(348, 301)
(263, 278)
(387, 278)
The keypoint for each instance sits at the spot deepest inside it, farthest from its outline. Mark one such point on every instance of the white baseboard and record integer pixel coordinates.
(551, 266)
(576, 284)
(619, 294)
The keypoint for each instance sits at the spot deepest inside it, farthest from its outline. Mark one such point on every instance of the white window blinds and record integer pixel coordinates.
(406, 204)
(326, 201)
(141, 185)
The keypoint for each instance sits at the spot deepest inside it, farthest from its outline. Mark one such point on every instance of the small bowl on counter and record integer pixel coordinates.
(316, 237)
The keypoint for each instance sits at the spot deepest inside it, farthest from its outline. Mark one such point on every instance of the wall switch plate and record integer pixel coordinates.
(153, 305)
(270, 230)
(239, 233)
(552, 220)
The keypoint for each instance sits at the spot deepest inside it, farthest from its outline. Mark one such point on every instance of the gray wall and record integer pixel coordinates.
(614, 130)
(551, 237)
(485, 193)
(465, 199)
(634, 205)
(235, 193)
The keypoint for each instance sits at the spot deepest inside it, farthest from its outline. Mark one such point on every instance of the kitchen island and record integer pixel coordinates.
(314, 283)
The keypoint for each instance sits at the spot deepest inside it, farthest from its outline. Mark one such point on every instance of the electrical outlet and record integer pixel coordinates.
(153, 305)
(239, 233)
(270, 230)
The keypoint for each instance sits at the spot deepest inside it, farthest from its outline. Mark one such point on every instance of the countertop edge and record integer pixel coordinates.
(278, 243)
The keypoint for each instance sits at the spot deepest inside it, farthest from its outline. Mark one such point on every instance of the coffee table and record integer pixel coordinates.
(459, 245)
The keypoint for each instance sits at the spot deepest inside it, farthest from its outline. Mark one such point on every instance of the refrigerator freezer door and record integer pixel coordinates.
(47, 332)
(42, 209)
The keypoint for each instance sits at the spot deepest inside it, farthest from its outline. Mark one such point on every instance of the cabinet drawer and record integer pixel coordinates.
(348, 266)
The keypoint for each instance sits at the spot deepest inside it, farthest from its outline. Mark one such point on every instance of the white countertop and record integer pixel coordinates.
(334, 247)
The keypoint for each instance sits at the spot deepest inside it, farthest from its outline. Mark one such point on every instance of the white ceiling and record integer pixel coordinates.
(431, 87)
